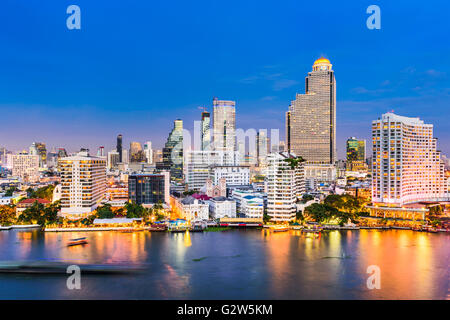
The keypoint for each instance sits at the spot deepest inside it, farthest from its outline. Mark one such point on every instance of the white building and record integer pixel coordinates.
(249, 203)
(224, 125)
(148, 152)
(83, 184)
(113, 159)
(285, 184)
(406, 166)
(221, 207)
(194, 209)
(233, 175)
(199, 163)
(25, 166)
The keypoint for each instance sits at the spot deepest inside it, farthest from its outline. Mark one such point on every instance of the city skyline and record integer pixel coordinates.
(132, 91)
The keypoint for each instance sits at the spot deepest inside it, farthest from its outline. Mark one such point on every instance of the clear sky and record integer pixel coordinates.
(135, 66)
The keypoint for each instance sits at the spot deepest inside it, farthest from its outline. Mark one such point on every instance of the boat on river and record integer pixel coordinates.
(53, 267)
(279, 228)
(77, 242)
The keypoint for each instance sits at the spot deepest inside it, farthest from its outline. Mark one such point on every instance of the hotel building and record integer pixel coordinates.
(284, 186)
(83, 184)
(406, 166)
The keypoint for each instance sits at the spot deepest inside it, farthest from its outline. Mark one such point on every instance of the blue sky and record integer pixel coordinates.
(135, 66)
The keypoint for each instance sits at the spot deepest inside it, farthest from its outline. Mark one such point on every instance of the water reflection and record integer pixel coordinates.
(240, 264)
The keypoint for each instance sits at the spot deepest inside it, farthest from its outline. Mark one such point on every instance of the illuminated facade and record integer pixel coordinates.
(83, 184)
(284, 186)
(311, 120)
(206, 131)
(406, 166)
(224, 125)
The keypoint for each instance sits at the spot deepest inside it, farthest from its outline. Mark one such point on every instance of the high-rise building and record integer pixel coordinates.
(206, 131)
(224, 125)
(113, 160)
(173, 152)
(136, 152)
(83, 184)
(356, 149)
(119, 147)
(148, 152)
(311, 120)
(262, 147)
(149, 188)
(285, 184)
(39, 149)
(406, 167)
(25, 166)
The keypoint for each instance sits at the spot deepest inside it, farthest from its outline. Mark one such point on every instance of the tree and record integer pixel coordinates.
(7, 215)
(266, 217)
(105, 212)
(299, 216)
(307, 197)
(135, 210)
(294, 162)
(39, 214)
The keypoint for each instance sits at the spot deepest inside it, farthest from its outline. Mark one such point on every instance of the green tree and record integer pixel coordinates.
(105, 212)
(39, 214)
(10, 191)
(7, 215)
(135, 210)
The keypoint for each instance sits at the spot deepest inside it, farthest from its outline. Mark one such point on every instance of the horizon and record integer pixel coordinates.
(134, 69)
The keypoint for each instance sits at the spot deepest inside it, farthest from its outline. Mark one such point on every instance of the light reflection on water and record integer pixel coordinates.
(237, 264)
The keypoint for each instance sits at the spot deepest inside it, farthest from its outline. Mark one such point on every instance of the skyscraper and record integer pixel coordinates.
(136, 152)
(356, 149)
(119, 147)
(312, 117)
(172, 152)
(224, 125)
(406, 166)
(206, 131)
(262, 147)
(148, 152)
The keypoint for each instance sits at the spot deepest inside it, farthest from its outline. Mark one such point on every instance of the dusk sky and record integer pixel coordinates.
(135, 66)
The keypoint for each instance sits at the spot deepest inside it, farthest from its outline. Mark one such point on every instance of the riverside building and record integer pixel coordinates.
(406, 165)
(285, 184)
(83, 184)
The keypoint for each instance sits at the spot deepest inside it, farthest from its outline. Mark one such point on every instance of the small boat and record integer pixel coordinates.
(280, 228)
(77, 242)
(297, 227)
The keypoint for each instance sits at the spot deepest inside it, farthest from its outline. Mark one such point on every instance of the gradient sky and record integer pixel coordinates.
(135, 66)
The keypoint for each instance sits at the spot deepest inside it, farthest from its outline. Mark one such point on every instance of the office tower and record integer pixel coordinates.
(83, 184)
(149, 188)
(206, 131)
(356, 155)
(148, 152)
(311, 119)
(199, 163)
(119, 148)
(172, 152)
(262, 147)
(101, 151)
(224, 125)
(285, 184)
(282, 147)
(288, 131)
(406, 166)
(26, 167)
(38, 148)
(356, 149)
(113, 160)
(136, 153)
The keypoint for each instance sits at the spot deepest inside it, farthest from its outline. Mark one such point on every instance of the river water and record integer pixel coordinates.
(235, 264)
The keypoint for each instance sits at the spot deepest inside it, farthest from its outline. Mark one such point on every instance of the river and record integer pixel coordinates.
(235, 264)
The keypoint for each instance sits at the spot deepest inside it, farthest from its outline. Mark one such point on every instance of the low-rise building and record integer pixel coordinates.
(194, 209)
(221, 207)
